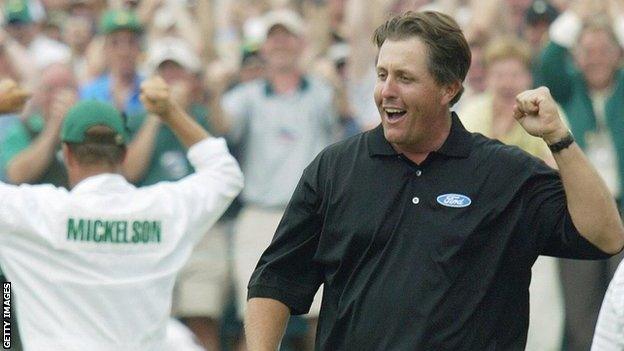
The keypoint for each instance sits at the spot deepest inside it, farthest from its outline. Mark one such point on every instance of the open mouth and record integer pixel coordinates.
(394, 114)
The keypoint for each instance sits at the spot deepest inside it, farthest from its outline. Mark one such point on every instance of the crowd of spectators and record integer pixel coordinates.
(282, 79)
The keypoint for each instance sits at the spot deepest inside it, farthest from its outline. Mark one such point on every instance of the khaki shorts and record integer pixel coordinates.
(253, 234)
(203, 283)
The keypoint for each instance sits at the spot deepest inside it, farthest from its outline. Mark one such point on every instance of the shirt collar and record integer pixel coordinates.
(269, 91)
(457, 144)
(102, 183)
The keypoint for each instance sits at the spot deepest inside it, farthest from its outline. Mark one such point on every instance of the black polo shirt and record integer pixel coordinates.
(435, 256)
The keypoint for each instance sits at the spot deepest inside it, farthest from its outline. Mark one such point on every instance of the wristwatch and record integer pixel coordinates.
(564, 143)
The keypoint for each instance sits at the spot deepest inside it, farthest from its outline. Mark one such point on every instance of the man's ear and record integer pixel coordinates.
(449, 91)
(68, 157)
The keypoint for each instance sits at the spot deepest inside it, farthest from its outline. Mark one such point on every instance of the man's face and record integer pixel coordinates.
(507, 78)
(407, 96)
(282, 48)
(123, 49)
(598, 58)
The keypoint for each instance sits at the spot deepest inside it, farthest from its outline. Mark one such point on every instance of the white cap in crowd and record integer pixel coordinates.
(172, 49)
(285, 18)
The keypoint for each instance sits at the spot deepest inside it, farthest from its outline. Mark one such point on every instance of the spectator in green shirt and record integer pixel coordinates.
(30, 150)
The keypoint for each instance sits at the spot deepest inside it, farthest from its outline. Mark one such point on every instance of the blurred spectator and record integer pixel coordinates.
(475, 80)
(282, 122)
(507, 63)
(122, 47)
(507, 74)
(78, 33)
(20, 25)
(590, 90)
(538, 18)
(31, 149)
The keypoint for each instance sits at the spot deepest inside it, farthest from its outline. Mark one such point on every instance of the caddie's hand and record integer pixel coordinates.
(537, 112)
(156, 97)
(12, 97)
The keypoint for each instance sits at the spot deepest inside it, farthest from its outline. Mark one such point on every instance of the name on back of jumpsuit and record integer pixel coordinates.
(117, 232)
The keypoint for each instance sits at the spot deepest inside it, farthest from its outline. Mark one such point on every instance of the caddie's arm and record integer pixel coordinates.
(141, 148)
(265, 322)
(591, 205)
(157, 99)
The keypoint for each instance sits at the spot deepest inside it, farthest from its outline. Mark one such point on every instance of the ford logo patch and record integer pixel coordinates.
(454, 200)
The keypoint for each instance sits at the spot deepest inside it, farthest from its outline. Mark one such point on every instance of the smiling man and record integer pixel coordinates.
(423, 233)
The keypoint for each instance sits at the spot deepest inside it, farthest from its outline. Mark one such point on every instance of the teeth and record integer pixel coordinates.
(394, 110)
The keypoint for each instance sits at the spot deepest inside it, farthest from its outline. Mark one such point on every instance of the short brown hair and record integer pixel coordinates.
(449, 53)
(101, 146)
(508, 47)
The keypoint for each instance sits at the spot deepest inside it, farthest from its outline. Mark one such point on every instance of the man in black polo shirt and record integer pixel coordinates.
(423, 233)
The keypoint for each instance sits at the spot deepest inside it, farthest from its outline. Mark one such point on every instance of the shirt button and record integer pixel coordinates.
(418, 173)
(415, 200)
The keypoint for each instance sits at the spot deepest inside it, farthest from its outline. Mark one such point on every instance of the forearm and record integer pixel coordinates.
(265, 322)
(188, 131)
(140, 150)
(591, 205)
(29, 165)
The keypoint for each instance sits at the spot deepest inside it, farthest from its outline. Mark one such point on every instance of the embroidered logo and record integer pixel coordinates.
(454, 200)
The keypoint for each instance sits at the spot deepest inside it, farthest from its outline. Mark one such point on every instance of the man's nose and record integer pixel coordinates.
(389, 89)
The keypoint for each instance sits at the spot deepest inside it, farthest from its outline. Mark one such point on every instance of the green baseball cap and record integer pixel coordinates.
(90, 113)
(114, 20)
(16, 11)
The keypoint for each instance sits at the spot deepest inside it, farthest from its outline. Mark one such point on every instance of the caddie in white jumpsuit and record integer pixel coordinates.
(93, 268)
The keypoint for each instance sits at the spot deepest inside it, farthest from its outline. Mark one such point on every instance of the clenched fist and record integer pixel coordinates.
(12, 97)
(537, 113)
(156, 97)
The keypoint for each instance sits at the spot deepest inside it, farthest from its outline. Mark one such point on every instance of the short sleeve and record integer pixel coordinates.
(287, 271)
(547, 210)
